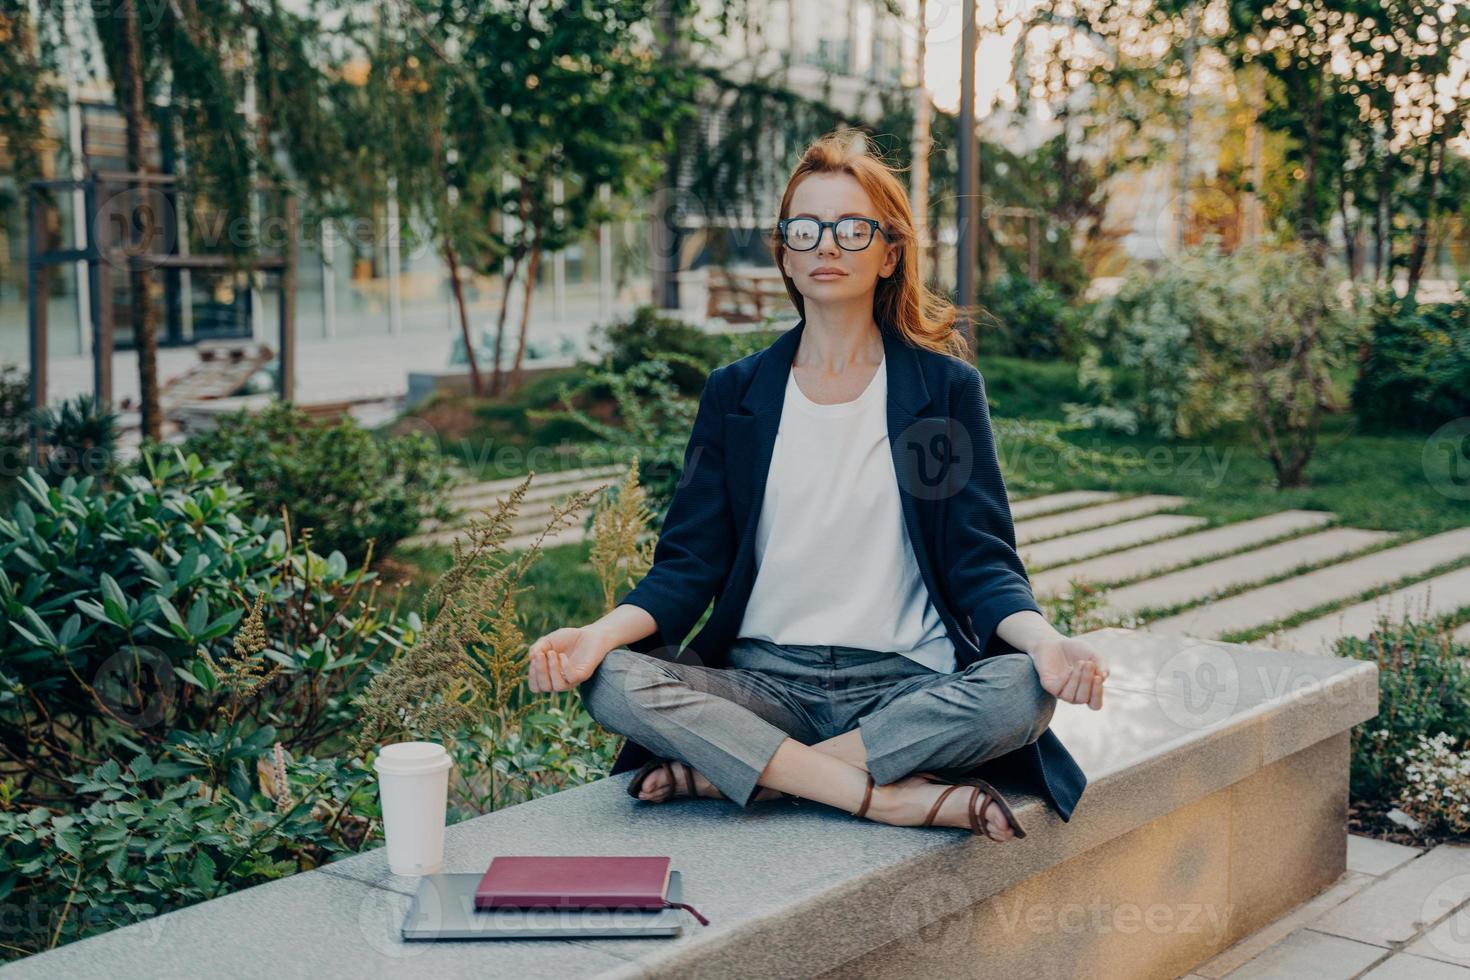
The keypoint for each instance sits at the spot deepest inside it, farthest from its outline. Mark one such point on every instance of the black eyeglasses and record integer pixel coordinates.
(850, 234)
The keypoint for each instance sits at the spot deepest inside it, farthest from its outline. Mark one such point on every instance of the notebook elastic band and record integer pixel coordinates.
(689, 908)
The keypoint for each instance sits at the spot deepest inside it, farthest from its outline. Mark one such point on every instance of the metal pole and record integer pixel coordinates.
(36, 322)
(287, 380)
(968, 211)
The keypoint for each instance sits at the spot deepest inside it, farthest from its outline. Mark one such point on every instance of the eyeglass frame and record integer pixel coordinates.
(873, 223)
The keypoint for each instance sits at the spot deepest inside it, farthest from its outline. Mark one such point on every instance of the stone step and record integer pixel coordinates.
(535, 506)
(442, 538)
(493, 488)
(1163, 556)
(1086, 518)
(1053, 502)
(1086, 544)
(1200, 582)
(1335, 583)
(1461, 635)
(1438, 596)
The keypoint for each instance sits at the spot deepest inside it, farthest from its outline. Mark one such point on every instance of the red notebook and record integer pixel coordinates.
(592, 882)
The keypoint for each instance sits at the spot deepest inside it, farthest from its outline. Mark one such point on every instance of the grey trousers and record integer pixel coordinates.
(728, 722)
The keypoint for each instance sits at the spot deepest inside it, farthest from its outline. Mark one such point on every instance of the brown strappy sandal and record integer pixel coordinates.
(635, 785)
(978, 824)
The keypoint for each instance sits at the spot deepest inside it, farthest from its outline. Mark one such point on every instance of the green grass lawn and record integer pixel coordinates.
(1368, 480)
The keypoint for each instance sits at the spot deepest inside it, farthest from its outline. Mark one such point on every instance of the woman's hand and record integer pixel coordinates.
(564, 658)
(1071, 669)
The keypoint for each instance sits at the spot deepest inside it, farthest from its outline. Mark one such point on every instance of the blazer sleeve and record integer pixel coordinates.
(696, 547)
(984, 572)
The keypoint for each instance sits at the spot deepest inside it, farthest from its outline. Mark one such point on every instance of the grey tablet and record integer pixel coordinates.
(444, 908)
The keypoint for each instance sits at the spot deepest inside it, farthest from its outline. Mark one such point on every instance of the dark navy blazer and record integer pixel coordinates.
(954, 506)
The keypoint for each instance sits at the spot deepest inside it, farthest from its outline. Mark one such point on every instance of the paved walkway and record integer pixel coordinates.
(1398, 913)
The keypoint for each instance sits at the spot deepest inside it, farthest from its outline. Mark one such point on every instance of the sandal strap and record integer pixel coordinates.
(934, 810)
(978, 821)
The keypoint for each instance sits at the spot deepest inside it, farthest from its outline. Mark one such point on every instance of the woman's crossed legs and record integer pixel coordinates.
(741, 730)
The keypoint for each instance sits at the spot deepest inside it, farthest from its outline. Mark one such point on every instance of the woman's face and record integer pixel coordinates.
(828, 197)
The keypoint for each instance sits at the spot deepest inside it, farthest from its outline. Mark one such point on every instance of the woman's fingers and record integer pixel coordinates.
(558, 675)
(536, 670)
(1069, 686)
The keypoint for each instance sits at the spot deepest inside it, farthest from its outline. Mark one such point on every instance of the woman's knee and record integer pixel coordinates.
(618, 684)
(1032, 704)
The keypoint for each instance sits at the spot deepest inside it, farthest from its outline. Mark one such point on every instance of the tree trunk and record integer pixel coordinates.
(452, 259)
(145, 337)
(1433, 153)
(531, 269)
(495, 375)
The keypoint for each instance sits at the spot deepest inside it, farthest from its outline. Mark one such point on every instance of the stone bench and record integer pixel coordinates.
(1217, 801)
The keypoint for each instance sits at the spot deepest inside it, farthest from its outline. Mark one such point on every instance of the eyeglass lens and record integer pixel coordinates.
(802, 233)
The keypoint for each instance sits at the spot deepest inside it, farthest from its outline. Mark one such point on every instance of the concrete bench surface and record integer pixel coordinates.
(1217, 793)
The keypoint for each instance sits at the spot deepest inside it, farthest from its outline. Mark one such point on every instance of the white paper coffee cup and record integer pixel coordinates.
(413, 786)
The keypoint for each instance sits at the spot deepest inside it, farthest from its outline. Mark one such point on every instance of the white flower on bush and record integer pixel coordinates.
(1440, 772)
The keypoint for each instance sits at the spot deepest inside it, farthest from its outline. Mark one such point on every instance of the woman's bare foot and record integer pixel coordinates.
(656, 784)
(907, 802)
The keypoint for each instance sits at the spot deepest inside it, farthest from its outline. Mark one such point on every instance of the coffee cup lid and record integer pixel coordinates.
(412, 758)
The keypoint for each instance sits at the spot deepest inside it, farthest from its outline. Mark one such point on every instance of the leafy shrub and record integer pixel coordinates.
(1026, 319)
(80, 438)
(350, 487)
(15, 402)
(1417, 372)
(648, 334)
(1423, 690)
(1213, 339)
(166, 762)
(118, 605)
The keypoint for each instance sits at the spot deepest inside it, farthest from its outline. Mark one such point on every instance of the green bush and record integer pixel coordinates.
(1423, 690)
(1213, 339)
(1417, 372)
(1026, 319)
(648, 334)
(80, 438)
(121, 680)
(347, 485)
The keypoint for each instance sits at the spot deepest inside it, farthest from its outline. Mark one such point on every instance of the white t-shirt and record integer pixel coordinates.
(834, 561)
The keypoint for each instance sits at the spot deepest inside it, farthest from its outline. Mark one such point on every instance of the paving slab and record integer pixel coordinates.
(1164, 556)
(1371, 856)
(1098, 515)
(1335, 583)
(1461, 635)
(1052, 502)
(1449, 941)
(1307, 953)
(1202, 581)
(1402, 903)
(1434, 597)
(1251, 946)
(1405, 966)
(1085, 544)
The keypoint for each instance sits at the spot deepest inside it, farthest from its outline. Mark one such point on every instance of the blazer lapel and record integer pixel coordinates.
(750, 431)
